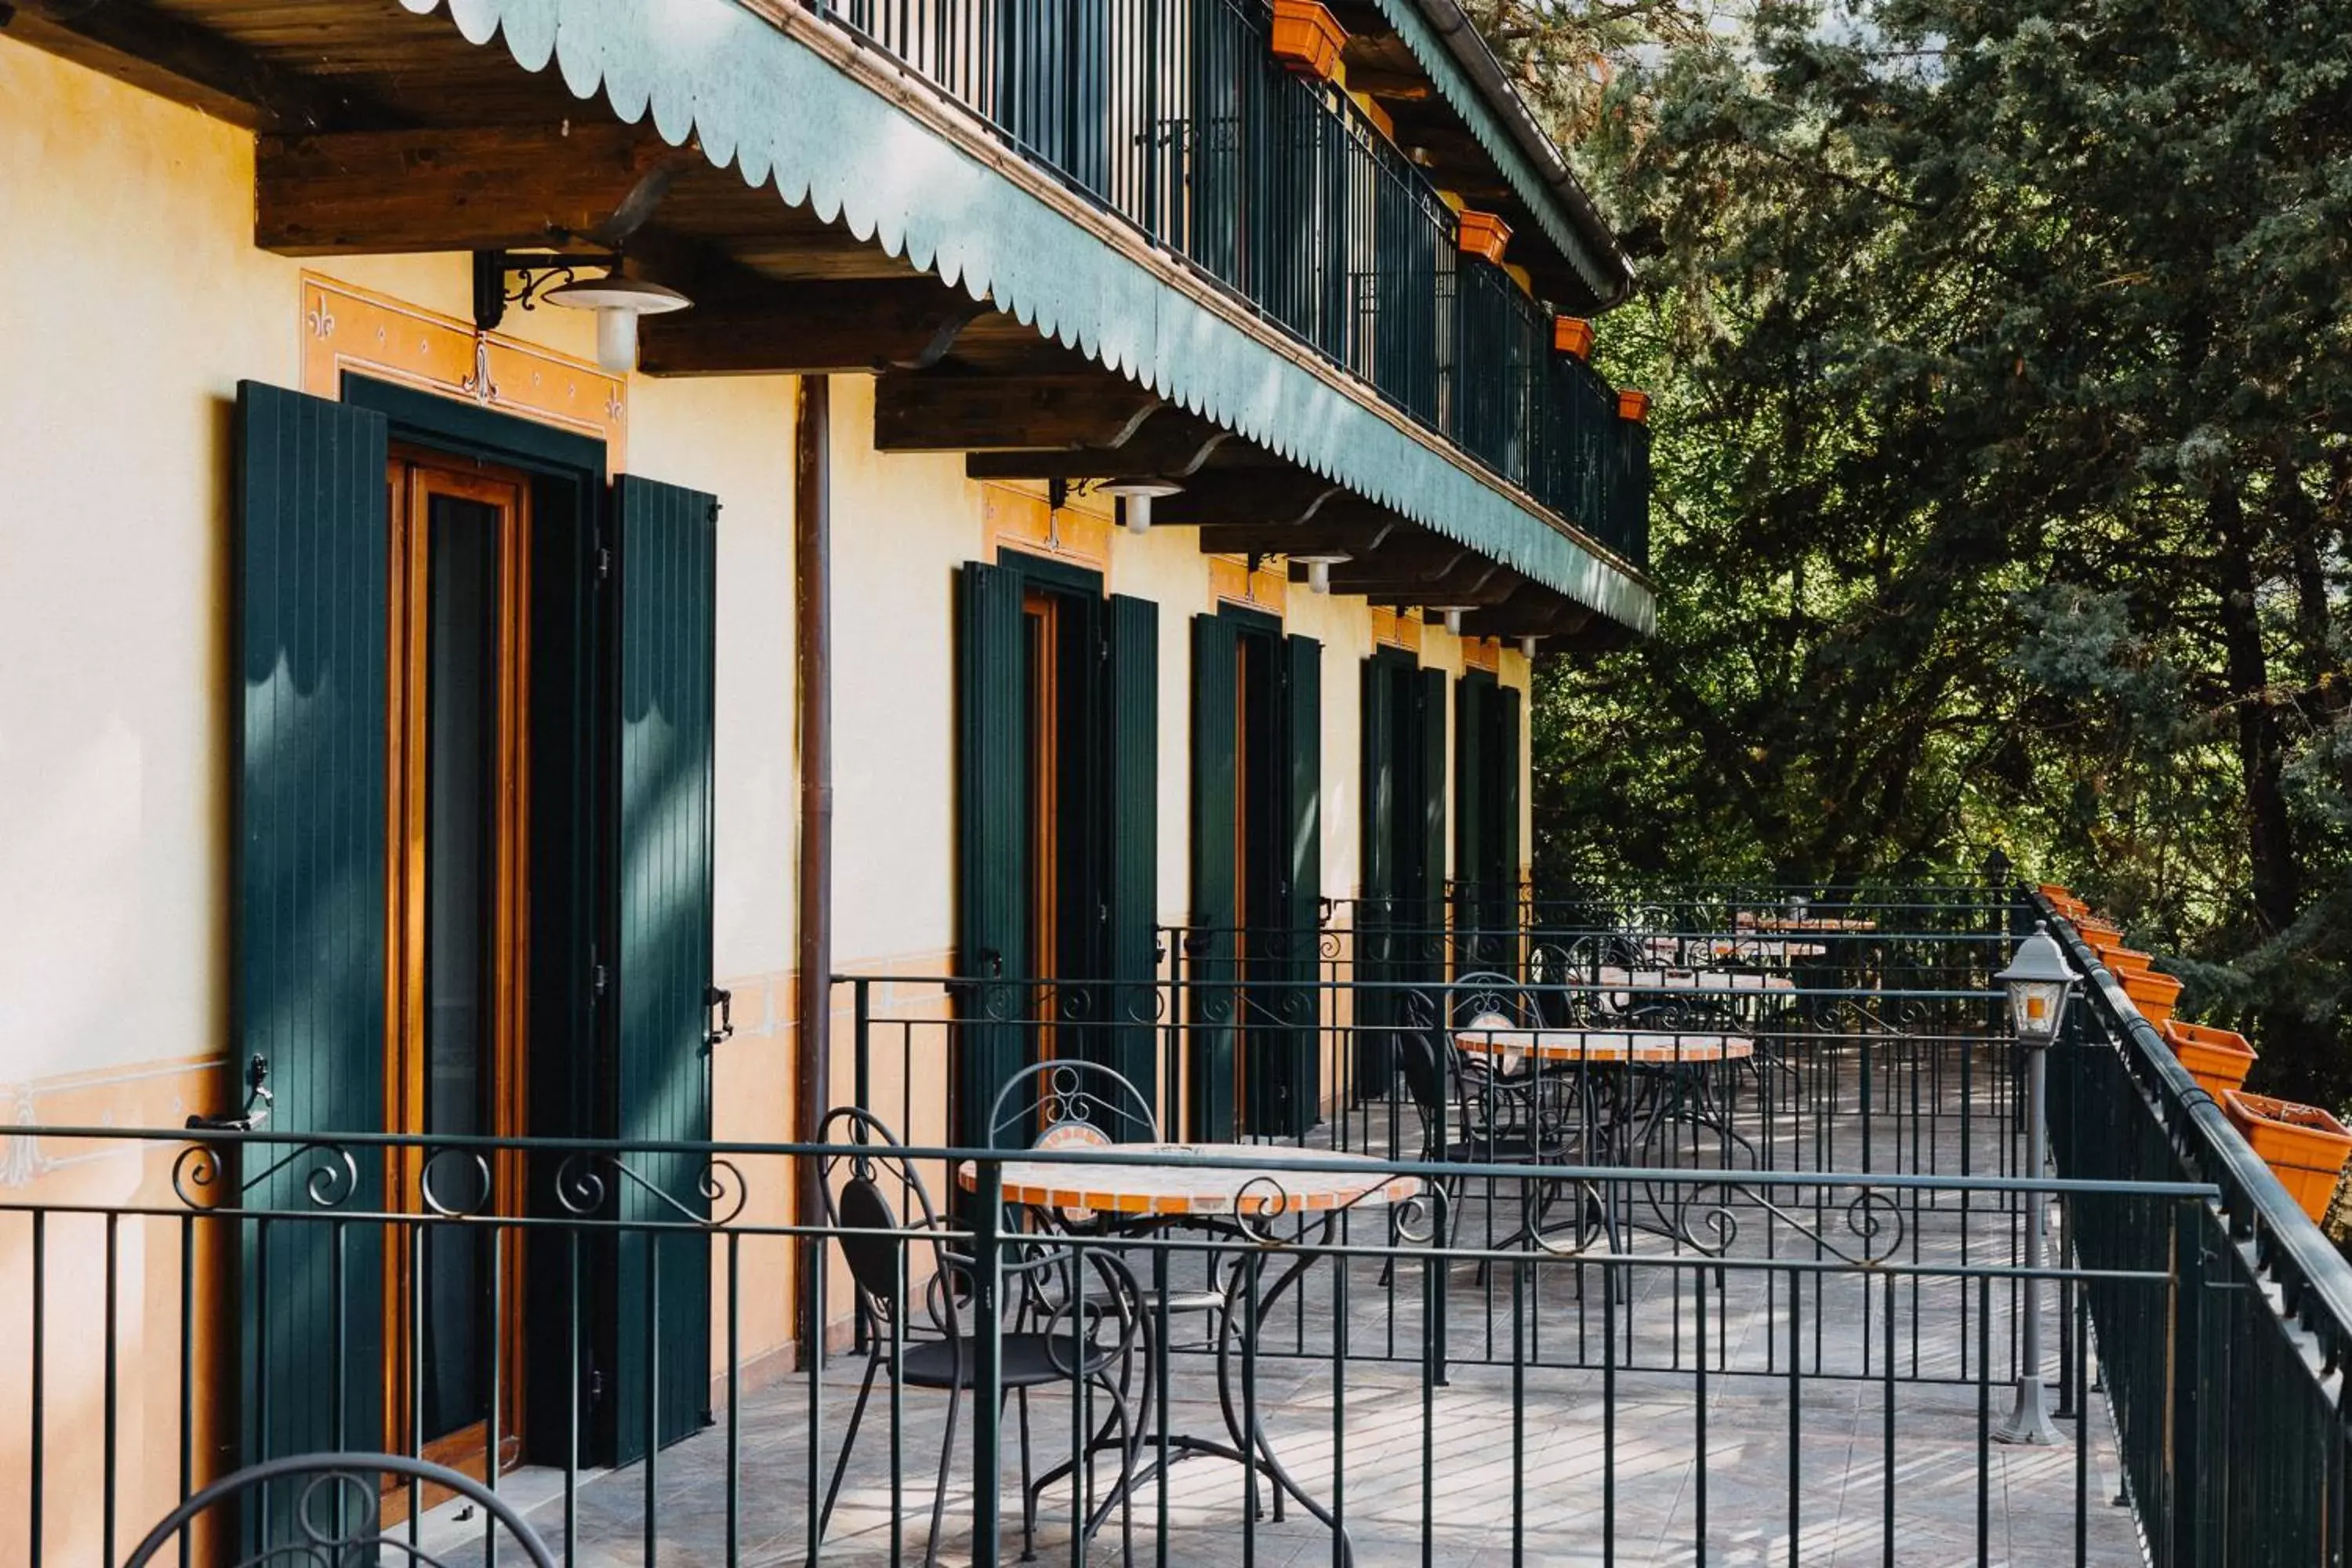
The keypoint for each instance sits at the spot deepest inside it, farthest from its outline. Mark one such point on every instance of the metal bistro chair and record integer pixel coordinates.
(1075, 1313)
(1070, 1103)
(332, 1515)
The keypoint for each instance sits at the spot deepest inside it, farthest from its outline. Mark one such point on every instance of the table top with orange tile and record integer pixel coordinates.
(1257, 1187)
(1606, 1048)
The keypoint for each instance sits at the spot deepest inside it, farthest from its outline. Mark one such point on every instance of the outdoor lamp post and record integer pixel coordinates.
(2039, 981)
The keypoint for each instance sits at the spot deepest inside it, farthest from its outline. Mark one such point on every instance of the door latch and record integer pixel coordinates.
(258, 1100)
(713, 997)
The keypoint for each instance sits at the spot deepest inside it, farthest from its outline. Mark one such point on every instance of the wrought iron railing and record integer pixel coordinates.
(1175, 115)
(2235, 1428)
(1329, 1351)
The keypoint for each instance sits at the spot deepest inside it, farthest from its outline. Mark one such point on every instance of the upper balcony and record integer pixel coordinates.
(1292, 194)
(1115, 242)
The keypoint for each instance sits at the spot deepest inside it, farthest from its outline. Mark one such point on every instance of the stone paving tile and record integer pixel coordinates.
(1551, 1443)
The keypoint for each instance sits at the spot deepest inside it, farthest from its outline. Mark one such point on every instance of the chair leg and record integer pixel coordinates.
(848, 1442)
(947, 1462)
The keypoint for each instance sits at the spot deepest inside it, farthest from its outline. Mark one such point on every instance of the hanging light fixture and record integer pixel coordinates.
(1527, 649)
(1452, 614)
(618, 301)
(1135, 499)
(1319, 569)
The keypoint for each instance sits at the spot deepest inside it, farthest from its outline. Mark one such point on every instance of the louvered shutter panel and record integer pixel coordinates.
(1376, 906)
(313, 638)
(1132, 941)
(1508, 764)
(1428, 904)
(1470, 700)
(669, 541)
(1284, 1070)
(1211, 951)
(993, 854)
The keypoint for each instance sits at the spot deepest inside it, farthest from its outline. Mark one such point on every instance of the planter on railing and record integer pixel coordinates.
(2217, 1058)
(1307, 38)
(2096, 929)
(2126, 961)
(2156, 994)
(1573, 335)
(1634, 405)
(1484, 235)
(2304, 1146)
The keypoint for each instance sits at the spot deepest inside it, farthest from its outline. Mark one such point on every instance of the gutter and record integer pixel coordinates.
(1469, 50)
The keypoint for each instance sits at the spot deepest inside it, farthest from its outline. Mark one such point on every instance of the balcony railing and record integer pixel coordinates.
(1175, 115)
(1718, 1305)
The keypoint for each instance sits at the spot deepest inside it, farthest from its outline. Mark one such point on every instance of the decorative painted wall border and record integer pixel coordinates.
(348, 327)
(1232, 581)
(1015, 520)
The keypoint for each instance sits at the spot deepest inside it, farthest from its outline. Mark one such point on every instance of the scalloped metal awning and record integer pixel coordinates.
(764, 102)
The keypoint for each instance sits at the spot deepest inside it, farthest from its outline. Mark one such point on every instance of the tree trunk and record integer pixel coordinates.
(2277, 881)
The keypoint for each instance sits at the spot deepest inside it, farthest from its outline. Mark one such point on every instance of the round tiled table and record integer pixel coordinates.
(1262, 1182)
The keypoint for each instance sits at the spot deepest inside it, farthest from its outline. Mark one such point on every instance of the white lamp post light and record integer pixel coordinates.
(2040, 981)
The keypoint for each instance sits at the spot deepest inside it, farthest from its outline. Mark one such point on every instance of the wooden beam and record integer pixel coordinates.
(1357, 537)
(1450, 575)
(1269, 497)
(937, 411)
(501, 188)
(1531, 610)
(176, 59)
(1170, 445)
(811, 328)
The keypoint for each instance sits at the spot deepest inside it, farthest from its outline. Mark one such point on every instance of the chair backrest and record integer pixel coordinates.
(1068, 1102)
(330, 1511)
(874, 1197)
(1489, 1001)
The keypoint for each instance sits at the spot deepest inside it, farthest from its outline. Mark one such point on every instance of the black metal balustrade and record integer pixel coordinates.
(1175, 115)
(1753, 1304)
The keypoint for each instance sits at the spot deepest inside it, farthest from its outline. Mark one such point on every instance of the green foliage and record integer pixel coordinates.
(2003, 377)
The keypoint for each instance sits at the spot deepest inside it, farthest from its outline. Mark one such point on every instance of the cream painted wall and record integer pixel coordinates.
(114, 540)
(113, 562)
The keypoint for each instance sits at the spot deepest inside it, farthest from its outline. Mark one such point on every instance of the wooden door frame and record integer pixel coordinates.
(415, 474)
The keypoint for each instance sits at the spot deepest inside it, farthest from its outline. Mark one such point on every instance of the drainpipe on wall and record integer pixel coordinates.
(811, 635)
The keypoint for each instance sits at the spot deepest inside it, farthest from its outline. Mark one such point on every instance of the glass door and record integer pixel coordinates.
(460, 671)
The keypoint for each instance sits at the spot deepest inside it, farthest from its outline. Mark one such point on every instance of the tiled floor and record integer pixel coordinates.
(1593, 1441)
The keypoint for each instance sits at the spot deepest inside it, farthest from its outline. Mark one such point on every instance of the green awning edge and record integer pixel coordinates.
(1601, 274)
(765, 103)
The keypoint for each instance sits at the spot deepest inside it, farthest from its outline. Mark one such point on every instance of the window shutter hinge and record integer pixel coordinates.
(604, 563)
(598, 981)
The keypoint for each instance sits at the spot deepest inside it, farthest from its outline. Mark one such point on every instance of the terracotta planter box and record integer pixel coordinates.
(2216, 1059)
(1485, 236)
(2154, 994)
(2304, 1146)
(2092, 928)
(1306, 37)
(1573, 335)
(2126, 961)
(1634, 406)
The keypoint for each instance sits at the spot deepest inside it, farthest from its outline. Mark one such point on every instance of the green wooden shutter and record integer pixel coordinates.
(1133, 796)
(993, 847)
(1429, 794)
(1471, 699)
(1504, 913)
(312, 634)
(1285, 1070)
(668, 580)
(1376, 910)
(1211, 951)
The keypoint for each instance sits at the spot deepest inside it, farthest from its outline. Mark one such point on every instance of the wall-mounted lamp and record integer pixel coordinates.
(1318, 570)
(1452, 614)
(1527, 649)
(1135, 499)
(618, 301)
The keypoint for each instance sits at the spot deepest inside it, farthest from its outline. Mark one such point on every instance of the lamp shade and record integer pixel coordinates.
(618, 301)
(1135, 499)
(2038, 979)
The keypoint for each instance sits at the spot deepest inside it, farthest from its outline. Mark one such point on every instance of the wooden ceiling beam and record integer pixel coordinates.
(178, 59)
(1359, 536)
(1271, 499)
(498, 188)
(1170, 445)
(937, 411)
(811, 328)
(1531, 610)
